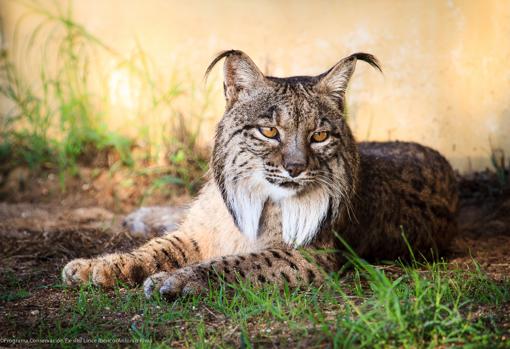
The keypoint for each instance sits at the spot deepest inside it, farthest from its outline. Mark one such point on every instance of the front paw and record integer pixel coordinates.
(182, 282)
(80, 271)
(105, 271)
(77, 272)
(154, 282)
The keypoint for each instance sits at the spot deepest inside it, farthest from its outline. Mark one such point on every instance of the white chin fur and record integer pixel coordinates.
(247, 201)
(301, 216)
(277, 193)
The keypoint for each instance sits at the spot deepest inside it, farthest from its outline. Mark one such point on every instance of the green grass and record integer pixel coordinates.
(12, 288)
(425, 306)
(55, 116)
(500, 167)
(61, 112)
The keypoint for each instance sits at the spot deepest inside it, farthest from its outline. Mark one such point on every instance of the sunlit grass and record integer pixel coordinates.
(65, 110)
(420, 306)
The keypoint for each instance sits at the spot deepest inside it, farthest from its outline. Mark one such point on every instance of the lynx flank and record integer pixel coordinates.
(286, 173)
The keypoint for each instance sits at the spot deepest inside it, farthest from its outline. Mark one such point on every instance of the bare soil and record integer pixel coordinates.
(42, 228)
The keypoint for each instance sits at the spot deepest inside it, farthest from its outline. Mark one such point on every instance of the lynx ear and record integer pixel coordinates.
(240, 73)
(334, 82)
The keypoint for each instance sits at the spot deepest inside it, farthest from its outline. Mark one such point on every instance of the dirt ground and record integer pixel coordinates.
(41, 229)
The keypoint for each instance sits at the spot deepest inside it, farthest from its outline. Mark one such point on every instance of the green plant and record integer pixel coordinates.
(55, 118)
(62, 109)
(498, 162)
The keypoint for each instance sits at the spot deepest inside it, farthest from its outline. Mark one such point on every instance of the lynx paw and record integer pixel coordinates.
(77, 271)
(80, 271)
(103, 272)
(153, 220)
(172, 285)
(154, 283)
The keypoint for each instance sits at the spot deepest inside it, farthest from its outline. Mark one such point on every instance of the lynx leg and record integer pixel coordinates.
(277, 266)
(165, 253)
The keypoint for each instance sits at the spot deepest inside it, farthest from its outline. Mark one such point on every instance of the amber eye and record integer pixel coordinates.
(320, 136)
(269, 132)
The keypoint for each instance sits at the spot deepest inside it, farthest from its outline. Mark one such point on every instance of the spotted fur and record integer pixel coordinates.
(273, 205)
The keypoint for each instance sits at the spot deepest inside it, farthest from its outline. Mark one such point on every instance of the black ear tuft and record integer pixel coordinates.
(334, 81)
(241, 75)
(367, 57)
(219, 57)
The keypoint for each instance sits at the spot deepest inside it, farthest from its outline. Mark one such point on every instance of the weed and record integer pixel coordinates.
(62, 111)
(11, 287)
(498, 162)
(56, 119)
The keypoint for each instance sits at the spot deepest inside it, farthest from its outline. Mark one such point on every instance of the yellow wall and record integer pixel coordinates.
(446, 64)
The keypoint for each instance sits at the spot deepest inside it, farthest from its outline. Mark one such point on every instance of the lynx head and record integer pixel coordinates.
(286, 140)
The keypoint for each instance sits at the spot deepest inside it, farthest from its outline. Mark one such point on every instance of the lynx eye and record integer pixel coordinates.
(269, 132)
(319, 136)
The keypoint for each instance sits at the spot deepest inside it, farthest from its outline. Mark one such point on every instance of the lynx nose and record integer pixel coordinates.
(295, 157)
(295, 168)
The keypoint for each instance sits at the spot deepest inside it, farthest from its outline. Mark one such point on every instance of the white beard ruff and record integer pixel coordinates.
(301, 215)
(246, 200)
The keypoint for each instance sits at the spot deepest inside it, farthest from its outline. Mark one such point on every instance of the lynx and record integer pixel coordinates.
(288, 180)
